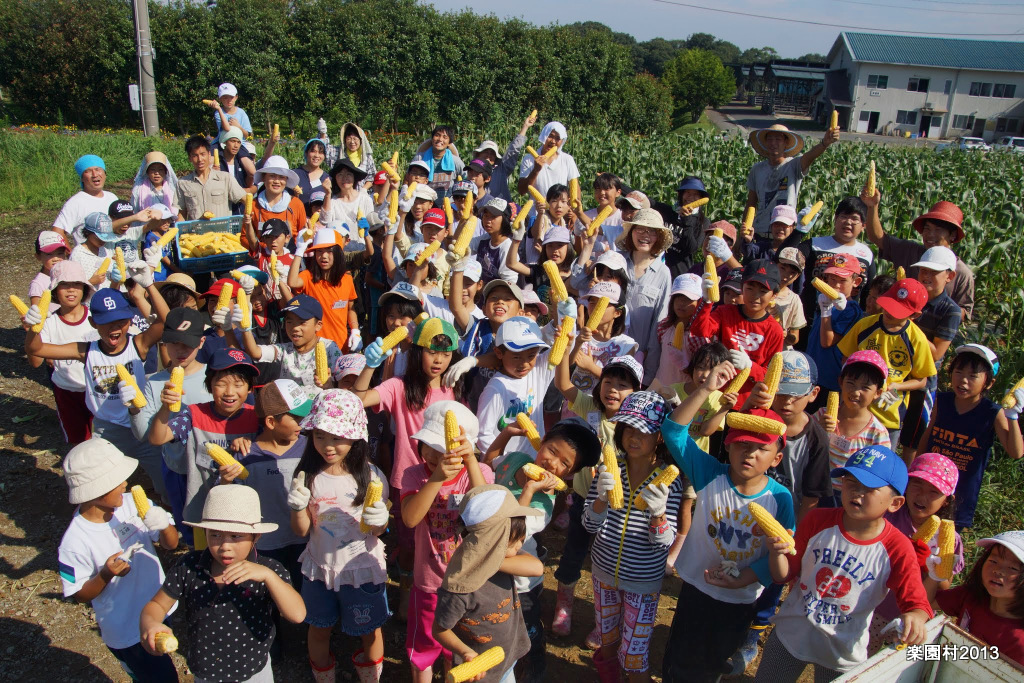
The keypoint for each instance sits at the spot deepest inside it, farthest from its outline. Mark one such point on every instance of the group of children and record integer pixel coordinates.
(308, 468)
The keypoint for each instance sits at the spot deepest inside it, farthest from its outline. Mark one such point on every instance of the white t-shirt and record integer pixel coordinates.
(775, 186)
(84, 550)
(611, 229)
(601, 352)
(102, 397)
(346, 212)
(90, 262)
(72, 214)
(68, 374)
(437, 307)
(559, 172)
(505, 397)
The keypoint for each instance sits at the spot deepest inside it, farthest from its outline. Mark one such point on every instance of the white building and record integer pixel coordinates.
(931, 87)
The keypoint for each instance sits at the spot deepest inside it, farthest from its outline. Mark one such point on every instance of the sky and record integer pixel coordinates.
(646, 19)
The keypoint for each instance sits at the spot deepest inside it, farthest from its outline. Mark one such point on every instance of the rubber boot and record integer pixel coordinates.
(368, 671)
(561, 624)
(607, 666)
(323, 675)
(747, 652)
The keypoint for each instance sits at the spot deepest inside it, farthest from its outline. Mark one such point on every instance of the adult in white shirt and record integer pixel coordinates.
(92, 172)
(544, 171)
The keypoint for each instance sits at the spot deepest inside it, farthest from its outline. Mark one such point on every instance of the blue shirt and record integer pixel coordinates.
(239, 115)
(166, 252)
(830, 360)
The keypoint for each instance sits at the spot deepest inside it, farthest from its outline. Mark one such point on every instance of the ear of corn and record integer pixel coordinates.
(710, 270)
(679, 336)
(666, 477)
(374, 491)
(20, 305)
(451, 431)
(717, 232)
(390, 170)
(314, 219)
(771, 527)
(773, 375)
(396, 337)
(526, 424)
(207, 216)
(947, 544)
(273, 267)
(523, 213)
(248, 203)
(532, 151)
(737, 382)
(468, 204)
(427, 253)
(538, 198)
(223, 458)
(410, 190)
(461, 245)
(165, 642)
(558, 290)
(44, 309)
(574, 192)
(122, 267)
(561, 342)
(600, 218)
(1009, 401)
(900, 273)
(696, 204)
(216, 159)
(835, 119)
(755, 423)
(141, 501)
(832, 405)
(748, 218)
(825, 288)
(394, 159)
(484, 661)
(927, 531)
(122, 374)
(210, 103)
(393, 206)
(104, 266)
(224, 298)
(809, 216)
(533, 114)
(611, 464)
(449, 214)
(245, 308)
(597, 313)
(323, 372)
(536, 472)
(869, 187)
(177, 381)
(167, 237)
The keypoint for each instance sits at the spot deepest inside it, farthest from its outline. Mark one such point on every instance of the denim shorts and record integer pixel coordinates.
(362, 609)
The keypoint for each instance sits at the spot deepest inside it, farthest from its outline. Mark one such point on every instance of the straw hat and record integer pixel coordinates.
(233, 508)
(794, 143)
(648, 218)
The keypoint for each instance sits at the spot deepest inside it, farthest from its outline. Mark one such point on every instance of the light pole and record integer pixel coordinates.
(147, 84)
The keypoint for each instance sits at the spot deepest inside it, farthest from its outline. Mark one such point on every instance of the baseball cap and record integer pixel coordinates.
(937, 258)
(482, 166)
(283, 396)
(530, 298)
(94, 468)
(906, 297)
(727, 228)
(419, 164)
(498, 206)
(49, 241)
(349, 364)
(1011, 540)
(784, 213)
(432, 431)
(643, 410)
(980, 350)
(222, 359)
(474, 271)
(463, 188)
(613, 261)
(844, 265)
(875, 467)
(100, 225)
(733, 280)
(165, 212)
(183, 326)
(511, 286)
(869, 357)
(434, 217)
(215, 288)
(687, 284)
(601, 288)
(325, 238)
(226, 89)
(488, 144)
(762, 271)
(317, 196)
(799, 374)
(304, 306)
(424, 191)
(748, 436)
(109, 305)
(414, 253)
(261, 276)
(937, 470)
(121, 209)
(629, 363)
(519, 334)
(272, 227)
(402, 290)
(431, 328)
(556, 234)
(793, 257)
(380, 177)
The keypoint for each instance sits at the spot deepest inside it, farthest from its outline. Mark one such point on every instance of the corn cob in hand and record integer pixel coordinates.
(771, 527)
(374, 491)
(611, 464)
(484, 661)
(666, 477)
(223, 458)
(537, 473)
(122, 374)
(526, 424)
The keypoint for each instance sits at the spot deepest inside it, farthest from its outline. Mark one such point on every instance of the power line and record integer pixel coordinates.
(933, 9)
(961, 4)
(832, 25)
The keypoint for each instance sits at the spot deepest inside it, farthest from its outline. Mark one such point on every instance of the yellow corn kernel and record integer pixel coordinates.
(550, 154)
(273, 267)
(538, 198)
(738, 381)
(561, 342)
(711, 270)
(484, 661)
(461, 245)
(755, 423)
(394, 159)
(411, 189)
(597, 313)
(449, 214)
(611, 464)
(20, 305)
(771, 527)
(122, 267)
(947, 544)
(536, 472)
(393, 206)
(322, 371)
(927, 531)
(900, 273)
(223, 458)
(773, 375)
(717, 232)
(428, 252)
(696, 204)
(532, 152)
(44, 309)
(451, 431)
(600, 218)
(216, 159)
(245, 309)
(166, 238)
(533, 114)
(468, 204)
(248, 203)
(574, 190)
(389, 168)
(809, 216)
(210, 103)
(104, 266)
(679, 336)
(869, 186)
(374, 491)
(748, 218)
(176, 381)
(141, 501)
(1008, 401)
(835, 119)
(832, 405)
(558, 290)
(525, 423)
(524, 211)
(122, 374)
(825, 288)
(165, 642)
(207, 216)
(396, 337)
(224, 299)
(314, 219)
(666, 477)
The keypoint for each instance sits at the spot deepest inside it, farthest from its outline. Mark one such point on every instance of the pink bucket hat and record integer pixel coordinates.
(937, 470)
(338, 412)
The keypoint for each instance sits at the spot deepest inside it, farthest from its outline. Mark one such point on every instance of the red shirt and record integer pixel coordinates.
(760, 339)
(978, 620)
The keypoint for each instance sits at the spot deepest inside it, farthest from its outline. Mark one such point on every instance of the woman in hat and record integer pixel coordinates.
(155, 183)
(275, 199)
(356, 147)
(348, 200)
(777, 179)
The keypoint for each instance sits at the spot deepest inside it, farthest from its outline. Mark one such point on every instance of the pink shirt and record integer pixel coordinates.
(436, 535)
(406, 422)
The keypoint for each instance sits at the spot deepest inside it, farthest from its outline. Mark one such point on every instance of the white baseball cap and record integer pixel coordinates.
(1011, 540)
(432, 431)
(687, 284)
(519, 334)
(226, 89)
(937, 258)
(488, 144)
(474, 271)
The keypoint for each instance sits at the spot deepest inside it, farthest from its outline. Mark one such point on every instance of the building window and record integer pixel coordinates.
(865, 115)
(917, 85)
(1007, 125)
(979, 89)
(1006, 90)
(936, 121)
(947, 87)
(963, 121)
(906, 117)
(879, 82)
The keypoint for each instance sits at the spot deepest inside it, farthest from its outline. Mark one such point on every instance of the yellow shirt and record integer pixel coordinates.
(706, 412)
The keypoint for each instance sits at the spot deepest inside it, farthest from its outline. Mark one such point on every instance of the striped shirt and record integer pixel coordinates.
(841, 447)
(628, 552)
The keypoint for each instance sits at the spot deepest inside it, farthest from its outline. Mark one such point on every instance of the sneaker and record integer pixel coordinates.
(593, 639)
(746, 654)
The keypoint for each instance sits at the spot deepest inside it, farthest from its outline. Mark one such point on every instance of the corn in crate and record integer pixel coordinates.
(210, 245)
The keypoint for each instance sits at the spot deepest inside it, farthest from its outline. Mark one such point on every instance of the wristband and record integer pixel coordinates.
(660, 528)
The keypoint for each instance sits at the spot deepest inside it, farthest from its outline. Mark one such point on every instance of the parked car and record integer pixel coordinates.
(966, 144)
(1010, 143)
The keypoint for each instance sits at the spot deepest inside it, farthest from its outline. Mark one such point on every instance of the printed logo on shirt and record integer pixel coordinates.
(829, 600)
(732, 535)
(105, 380)
(746, 341)
(67, 572)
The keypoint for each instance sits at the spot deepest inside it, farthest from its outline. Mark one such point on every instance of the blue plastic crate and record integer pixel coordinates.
(218, 263)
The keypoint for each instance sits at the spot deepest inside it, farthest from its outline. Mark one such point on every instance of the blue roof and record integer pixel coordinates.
(957, 53)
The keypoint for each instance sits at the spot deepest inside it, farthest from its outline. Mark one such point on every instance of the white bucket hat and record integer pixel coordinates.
(94, 468)
(233, 508)
(432, 431)
(277, 165)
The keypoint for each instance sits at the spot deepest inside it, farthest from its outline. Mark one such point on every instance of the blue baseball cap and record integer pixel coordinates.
(109, 305)
(519, 334)
(305, 307)
(875, 467)
(222, 359)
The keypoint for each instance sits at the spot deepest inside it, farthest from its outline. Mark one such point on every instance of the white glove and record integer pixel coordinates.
(707, 283)
(127, 392)
(152, 255)
(568, 308)
(141, 273)
(605, 483)
(298, 494)
(392, 229)
(825, 305)
(130, 551)
(405, 205)
(840, 303)
(248, 283)
(1011, 413)
(376, 515)
(657, 499)
(460, 263)
(355, 341)
(321, 127)
(739, 359)
(300, 251)
(719, 249)
(220, 317)
(456, 371)
(800, 227)
(520, 234)
(729, 567)
(236, 315)
(156, 519)
(887, 399)
(932, 562)
(34, 316)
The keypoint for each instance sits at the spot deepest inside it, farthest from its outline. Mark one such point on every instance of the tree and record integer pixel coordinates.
(726, 51)
(812, 57)
(652, 55)
(697, 80)
(643, 105)
(700, 41)
(758, 55)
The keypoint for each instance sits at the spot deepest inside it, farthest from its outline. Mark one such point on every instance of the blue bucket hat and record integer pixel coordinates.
(692, 182)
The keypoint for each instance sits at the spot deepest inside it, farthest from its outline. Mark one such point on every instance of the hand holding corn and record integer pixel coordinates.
(224, 459)
(128, 388)
(771, 527)
(375, 512)
(479, 664)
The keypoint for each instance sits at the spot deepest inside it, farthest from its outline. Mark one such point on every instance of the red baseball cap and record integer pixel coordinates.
(756, 437)
(215, 288)
(434, 217)
(906, 297)
(380, 177)
(843, 265)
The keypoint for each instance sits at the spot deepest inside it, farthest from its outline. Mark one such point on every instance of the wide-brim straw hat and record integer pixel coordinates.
(794, 143)
(233, 508)
(648, 218)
